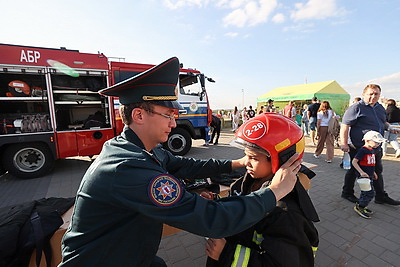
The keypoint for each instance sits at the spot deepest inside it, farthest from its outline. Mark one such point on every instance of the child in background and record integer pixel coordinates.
(298, 117)
(364, 163)
(286, 236)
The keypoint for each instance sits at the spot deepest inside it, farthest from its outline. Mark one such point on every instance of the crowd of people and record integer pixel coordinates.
(315, 119)
(135, 186)
(321, 123)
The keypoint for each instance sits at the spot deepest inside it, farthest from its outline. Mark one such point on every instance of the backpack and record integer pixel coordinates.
(334, 126)
(28, 226)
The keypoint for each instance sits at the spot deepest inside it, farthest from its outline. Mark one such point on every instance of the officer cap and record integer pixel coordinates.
(156, 85)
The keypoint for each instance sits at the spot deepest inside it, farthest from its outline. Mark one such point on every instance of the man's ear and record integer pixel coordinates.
(137, 115)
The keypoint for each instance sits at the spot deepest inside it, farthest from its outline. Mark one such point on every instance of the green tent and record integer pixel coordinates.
(325, 91)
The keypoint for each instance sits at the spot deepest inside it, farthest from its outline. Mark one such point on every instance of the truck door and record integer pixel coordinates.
(82, 116)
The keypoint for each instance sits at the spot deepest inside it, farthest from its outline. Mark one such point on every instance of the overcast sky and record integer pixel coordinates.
(248, 47)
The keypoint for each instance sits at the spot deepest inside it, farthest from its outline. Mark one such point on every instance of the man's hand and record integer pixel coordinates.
(214, 247)
(285, 178)
(345, 148)
(239, 163)
(207, 195)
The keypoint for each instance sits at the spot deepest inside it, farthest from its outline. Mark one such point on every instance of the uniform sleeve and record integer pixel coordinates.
(163, 198)
(190, 168)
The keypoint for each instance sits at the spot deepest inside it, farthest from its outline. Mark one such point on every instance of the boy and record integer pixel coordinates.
(364, 163)
(286, 236)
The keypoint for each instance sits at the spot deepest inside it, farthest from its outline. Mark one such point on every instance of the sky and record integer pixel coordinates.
(248, 47)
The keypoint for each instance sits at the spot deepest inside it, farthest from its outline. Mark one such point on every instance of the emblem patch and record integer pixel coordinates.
(165, 190)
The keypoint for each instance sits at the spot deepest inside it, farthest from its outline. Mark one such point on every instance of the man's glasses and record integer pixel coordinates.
(170, 117)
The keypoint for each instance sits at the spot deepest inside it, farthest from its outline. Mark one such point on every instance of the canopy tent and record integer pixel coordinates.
(330, 91)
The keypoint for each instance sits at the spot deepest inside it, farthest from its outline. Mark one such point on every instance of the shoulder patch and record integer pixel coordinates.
(165, 190)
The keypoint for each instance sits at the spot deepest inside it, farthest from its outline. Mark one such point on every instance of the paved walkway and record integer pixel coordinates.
(345, 238)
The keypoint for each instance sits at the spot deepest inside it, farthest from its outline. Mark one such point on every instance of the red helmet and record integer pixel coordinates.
(19, 88)
(276, 135)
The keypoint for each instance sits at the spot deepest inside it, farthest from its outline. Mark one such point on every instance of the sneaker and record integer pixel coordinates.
(315, 156)
(361, 211)
(397, 155)
(328, 161)
(367, 210)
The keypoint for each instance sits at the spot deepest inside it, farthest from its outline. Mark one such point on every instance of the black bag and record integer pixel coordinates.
(28, 226)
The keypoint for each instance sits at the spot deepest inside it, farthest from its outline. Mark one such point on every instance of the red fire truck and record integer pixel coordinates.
(50, 108)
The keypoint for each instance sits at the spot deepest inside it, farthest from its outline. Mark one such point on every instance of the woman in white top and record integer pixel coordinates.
(235, 119)
(245, 115)
(324, 114)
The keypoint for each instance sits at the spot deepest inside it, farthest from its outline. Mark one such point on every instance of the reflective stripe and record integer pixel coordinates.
(241, 257)
(257, 238)
(314, 249)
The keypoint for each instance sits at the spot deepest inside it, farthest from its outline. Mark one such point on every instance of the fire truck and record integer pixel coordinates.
(50, 108)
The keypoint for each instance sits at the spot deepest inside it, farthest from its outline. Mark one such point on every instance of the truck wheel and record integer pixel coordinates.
(28, 160)
(179, 142)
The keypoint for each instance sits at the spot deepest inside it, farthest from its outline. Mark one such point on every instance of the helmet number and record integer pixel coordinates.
(254, 130)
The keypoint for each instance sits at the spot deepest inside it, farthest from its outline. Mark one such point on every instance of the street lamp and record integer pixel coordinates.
(242, 98)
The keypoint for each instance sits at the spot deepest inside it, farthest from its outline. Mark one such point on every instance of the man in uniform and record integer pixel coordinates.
(135, 186)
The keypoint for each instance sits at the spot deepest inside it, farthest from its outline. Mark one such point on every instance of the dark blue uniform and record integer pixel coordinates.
(128, 193)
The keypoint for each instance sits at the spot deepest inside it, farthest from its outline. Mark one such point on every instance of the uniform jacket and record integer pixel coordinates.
(286, 236)
(128, 193)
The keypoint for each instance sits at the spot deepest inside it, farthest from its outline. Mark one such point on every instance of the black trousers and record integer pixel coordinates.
(351, 175)
(215, 130)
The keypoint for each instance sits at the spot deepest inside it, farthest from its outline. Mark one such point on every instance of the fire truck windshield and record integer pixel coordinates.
(189, 84)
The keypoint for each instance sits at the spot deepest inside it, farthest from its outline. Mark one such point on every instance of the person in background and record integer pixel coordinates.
(135, 186)
(312, 117)
(270, 107)
(286, 236)
(261, 110)
(298, 117)
(244, 115)
(325, 113)
(364, 163)
(355, 100)
(235, 119)
(304, 120)
(290, 110)
(393, 117)
(251, 113)
(361, 117)
(215, 129)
